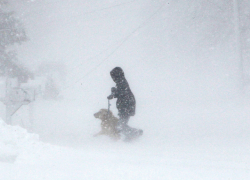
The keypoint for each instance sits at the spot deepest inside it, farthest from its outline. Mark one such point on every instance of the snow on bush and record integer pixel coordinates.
(16, 142)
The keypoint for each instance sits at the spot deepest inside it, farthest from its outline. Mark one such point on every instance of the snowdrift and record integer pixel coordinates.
(16, 143)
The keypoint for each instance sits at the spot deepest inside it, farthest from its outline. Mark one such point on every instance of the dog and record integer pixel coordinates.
(108, 124)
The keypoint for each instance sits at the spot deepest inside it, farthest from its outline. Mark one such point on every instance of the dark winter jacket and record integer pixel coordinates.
(125, 103)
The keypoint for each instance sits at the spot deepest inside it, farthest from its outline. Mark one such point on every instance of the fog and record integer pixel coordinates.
(181, 65)
(157, 40)
(168, 58)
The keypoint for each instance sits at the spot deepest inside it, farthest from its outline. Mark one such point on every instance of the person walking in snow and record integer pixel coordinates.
(125, 104)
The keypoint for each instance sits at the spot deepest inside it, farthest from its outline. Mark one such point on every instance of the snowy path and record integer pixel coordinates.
(129, 161)
(80, 156)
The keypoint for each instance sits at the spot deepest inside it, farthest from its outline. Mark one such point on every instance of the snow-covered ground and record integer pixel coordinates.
(168, 149)
(195, 124)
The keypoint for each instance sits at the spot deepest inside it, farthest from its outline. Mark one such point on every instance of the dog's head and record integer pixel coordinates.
(103, 114)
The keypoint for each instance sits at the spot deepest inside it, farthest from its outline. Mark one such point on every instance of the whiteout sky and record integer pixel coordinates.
(159, 43)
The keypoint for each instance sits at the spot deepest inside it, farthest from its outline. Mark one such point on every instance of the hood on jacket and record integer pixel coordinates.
(117, 74)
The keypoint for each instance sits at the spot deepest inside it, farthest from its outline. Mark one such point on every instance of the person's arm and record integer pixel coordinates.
(113, 93)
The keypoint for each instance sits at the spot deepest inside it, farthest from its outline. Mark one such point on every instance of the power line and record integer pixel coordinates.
(119, 45)
(101, 52)
(90, 12)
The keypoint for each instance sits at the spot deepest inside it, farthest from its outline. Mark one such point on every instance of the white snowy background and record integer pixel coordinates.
(195, 121)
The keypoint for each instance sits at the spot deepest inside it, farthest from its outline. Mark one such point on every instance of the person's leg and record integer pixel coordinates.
(132, 133)
(128, 131)
(122, 123)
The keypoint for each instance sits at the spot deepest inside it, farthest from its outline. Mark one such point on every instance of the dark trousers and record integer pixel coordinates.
(124, 128)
